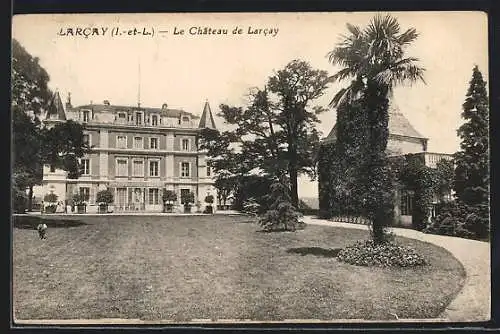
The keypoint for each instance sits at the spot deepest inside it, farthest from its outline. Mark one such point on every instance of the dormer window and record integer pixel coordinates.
(185, 119)
(138, 118)
(154, 120)
(86, 115)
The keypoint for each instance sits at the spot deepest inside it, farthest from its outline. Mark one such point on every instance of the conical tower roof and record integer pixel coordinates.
(207, 119)
(55, 108)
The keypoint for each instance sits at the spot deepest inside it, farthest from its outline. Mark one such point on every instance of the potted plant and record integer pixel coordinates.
(79, 201)
(51, 199)
(168, 198)
(209, 199)
(104, 198)
(187, 199)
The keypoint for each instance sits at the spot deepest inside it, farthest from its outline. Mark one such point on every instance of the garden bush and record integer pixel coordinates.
(20, 200)
(387, 254)
(251, 206)
(461, 220)
(282, 215)
(50, 198)
(168, 198)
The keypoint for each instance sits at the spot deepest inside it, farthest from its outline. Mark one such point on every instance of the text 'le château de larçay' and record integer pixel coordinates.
(87, 32)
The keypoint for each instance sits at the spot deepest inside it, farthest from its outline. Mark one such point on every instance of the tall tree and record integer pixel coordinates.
(374, 59)
(34, 144)
(472, 161)
(275, 134)
(30, 94)
(296, 86)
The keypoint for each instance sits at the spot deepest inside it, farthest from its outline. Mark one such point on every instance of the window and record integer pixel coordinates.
(153, 143)
(406, 204)
(153, 168)
(86, 115)
(185, 169)
(185, 119)
(85, 165)
(208, 171)
(138, 142)
(121, 196)
(121, 167)
(154, 120)
(138, 118)
(153, 196)
(121, 141)
(138, 169)
(122, 118)
(185, 144)
(86, 139)
(52, 169)
(85, 193)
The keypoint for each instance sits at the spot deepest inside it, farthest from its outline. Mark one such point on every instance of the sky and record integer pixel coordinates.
(184, 70)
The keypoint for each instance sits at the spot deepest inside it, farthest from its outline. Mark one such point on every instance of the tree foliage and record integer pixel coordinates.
(472, 172)
(374, 59)
(469, 215)
(282, 215)
(33, 143)
(274, 135)
(104, 196)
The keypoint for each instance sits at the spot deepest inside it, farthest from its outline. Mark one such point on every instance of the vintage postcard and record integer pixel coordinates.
(250, 167)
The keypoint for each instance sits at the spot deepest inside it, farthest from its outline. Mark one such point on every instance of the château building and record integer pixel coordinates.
(137, 152)
(403, 139)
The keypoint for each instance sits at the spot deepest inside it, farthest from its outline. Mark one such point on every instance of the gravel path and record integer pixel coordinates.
(474, 300)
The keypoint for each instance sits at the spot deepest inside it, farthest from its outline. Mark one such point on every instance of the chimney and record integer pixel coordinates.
(106, 102)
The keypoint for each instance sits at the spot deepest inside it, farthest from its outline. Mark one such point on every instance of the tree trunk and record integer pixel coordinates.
(294, 188)
(30, 198)
(379, 203)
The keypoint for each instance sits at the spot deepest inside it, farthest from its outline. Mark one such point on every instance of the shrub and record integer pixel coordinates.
(52, 208)
(387, 254)
(104, 196)
(209, 199)
(251, 206)
(50, 198)
(282, 215)
(458, 219)
(254, 187)
(20, 201)
(168, 196)
(79, 199)
(187, 199)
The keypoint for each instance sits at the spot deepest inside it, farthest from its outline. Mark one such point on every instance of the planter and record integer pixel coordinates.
(103, 208)
(209, 209)
(168, 208)
(81, 208)
(50, 209)
(187, 208)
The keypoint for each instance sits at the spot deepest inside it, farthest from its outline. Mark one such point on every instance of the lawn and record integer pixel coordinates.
(213, 267)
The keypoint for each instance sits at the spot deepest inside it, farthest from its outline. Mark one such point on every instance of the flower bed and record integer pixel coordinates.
(389, 254)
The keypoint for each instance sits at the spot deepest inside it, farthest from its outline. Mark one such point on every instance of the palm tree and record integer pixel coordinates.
(374, 59)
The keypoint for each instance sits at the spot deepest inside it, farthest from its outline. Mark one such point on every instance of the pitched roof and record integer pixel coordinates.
(102, 108)
(207, 119)
(398, 125)
(55, 108)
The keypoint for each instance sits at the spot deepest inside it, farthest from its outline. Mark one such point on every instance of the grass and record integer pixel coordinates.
(213, 267)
